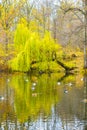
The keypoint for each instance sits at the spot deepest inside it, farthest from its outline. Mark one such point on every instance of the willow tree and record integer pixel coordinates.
(31, 48)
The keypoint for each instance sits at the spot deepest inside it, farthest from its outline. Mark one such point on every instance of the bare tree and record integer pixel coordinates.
(79, 10)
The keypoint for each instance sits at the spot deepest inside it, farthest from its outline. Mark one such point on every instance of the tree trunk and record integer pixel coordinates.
(55, 29)
(85, 44)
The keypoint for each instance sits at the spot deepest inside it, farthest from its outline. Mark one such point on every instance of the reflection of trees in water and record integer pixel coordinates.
(38, 108)
(27, 102)
(71, 109)
(7, 113)
(85, 102)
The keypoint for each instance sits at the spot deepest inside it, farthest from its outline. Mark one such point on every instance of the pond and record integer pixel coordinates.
(43, 102)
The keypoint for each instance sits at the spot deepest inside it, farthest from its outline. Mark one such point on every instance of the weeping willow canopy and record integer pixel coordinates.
(32, 48)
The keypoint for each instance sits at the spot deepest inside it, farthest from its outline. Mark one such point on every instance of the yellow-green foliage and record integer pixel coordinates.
(32, 102)
(32, 48)
(21, 36)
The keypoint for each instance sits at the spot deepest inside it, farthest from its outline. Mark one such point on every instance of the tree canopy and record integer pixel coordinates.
(31, 48)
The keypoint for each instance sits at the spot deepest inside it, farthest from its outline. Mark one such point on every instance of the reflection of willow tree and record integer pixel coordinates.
(67, 78)
(30, 102)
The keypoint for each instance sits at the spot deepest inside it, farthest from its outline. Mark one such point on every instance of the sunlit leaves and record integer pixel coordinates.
(32, 48)
(21, 36)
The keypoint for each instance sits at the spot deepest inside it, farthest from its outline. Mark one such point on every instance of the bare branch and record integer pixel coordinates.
(73, 9)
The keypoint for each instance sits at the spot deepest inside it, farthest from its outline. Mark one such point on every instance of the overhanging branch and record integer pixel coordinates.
(73, 9)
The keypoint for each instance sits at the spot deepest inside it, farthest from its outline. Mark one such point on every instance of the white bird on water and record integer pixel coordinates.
(33, 88)
(66, 91)
(70, 84)
(1, 98)
(82, 79)
(8, 80)
(26, 80)
(34, 84)
(58, 83)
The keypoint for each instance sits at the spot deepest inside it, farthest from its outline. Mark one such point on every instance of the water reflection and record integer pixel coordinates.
(43, 102)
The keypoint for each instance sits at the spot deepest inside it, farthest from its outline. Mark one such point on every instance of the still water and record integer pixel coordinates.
(43, 102)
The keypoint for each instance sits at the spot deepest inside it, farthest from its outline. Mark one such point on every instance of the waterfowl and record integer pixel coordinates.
(34, 94)
(1, 98)
(70, 84)
(58, 83)
(8, 80)
(33, 88)
(34, 84)
(66, 91)
(26, 80)
(82, 79)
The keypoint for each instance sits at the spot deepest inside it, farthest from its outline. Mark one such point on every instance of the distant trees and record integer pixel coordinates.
(80, 11)
(85, 40)
(64, 20)
(9, 12)
(42, 16)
